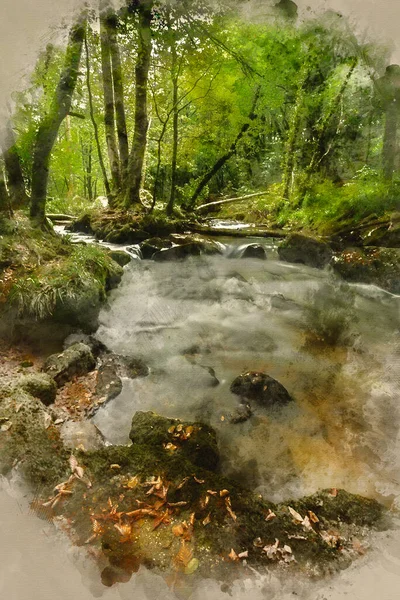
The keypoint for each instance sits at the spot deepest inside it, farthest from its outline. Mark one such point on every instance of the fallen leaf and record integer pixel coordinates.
(224, 493)
(184, 556)
(313, 517)
(296, 516)
(233, 556)
(271, 515)
(244, 554)
(207, 520)
(333, 492)
(182, 483)
(198, 480)
(115, 467)
(192, 566)
(132, 483)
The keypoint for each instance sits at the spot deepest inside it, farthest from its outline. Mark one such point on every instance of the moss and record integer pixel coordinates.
(31, 441)
(49, 278)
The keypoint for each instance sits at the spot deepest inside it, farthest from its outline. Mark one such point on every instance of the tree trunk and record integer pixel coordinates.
(122, 134)
(4, 198)
(108, 91)
(15, 179)
(389, 151)
(136, 159)
(50, 124)
(175, 123)
(231, 152)
(94, 122)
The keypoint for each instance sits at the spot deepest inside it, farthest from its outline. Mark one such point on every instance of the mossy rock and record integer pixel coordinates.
(377, 266)
(120, 257)
(127, 234)
(199, 446)
(75, 360)
(153, 245)
(28, 438)
(39, 385)
(304, 249)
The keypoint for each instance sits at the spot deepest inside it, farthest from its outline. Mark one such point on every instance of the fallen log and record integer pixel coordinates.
(228, 200)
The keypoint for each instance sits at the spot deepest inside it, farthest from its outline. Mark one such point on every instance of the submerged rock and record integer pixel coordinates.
(377, 266)
(196, 442)
(241, 414)
(75, 360)
(261, 388)
(304, 249)
(254, 251)
(81, 434)
(39, 385)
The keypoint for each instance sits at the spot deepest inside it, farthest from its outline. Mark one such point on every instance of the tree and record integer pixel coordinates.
(50, 123)
(15, 179)
(136, 159)
(388, 88)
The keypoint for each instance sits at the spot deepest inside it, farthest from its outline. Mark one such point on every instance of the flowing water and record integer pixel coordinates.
(200, 323)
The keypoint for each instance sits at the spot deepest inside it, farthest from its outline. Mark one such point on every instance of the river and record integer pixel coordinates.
(198, 324)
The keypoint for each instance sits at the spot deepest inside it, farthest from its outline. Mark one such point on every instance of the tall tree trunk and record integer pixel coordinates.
(108, 91)
(231, 152)
(15, 179)
(136, 159)
(50, 124)
(175, 123)
(390, 145)
(112, 27)
(94, 122)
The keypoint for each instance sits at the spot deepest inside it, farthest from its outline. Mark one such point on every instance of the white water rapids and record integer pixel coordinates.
(222, 316)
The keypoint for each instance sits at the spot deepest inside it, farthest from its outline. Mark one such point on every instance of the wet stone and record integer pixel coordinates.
(261, 388)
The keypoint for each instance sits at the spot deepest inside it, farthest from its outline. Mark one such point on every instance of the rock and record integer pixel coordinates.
(126, 234)
(192, 249)
(81, 434)
(241, 414)
(81, 225)
(377, 266)
(304, 249)
(254, 251)
(120, 257)
(206, 245)
(30, 439)
(75, 360)
(153, 245)
(94, 344)
(108, 382)
(261, 388)
(39, 385)
(112, 368)
(200, 446)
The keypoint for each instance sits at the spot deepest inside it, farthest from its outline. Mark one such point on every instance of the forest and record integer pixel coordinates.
(199, 301)
(170, 106)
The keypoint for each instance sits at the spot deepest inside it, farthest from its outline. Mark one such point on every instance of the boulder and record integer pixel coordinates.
(153, 245)
(126, 234)
(195, 442)
(261, 388)
(120, 257)
(377, 266)
(195, 248)
(75, 360)
(304, 249)
(254, 251)
(39, 385)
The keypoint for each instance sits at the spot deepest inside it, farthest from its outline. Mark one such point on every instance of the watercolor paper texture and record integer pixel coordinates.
(199, 299)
